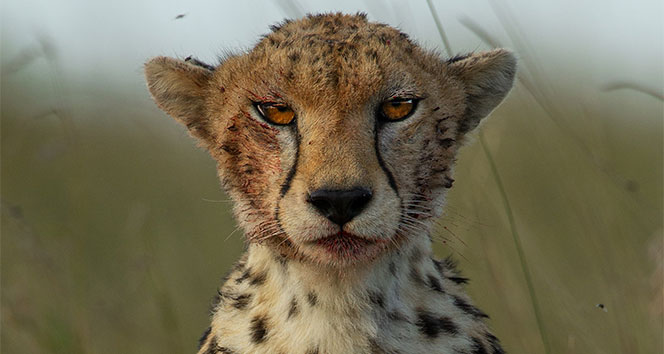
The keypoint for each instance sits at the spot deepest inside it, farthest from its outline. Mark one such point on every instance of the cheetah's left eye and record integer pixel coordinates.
(277, 113)
(397, 109)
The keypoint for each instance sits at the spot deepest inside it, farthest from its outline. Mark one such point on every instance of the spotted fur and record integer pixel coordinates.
(385, 294)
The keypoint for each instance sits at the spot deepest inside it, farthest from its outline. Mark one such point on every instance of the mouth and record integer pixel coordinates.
(346, 247)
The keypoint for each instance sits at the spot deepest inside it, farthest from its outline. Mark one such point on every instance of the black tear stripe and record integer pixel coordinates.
(289, 177)
(381, 163)
(291, 173)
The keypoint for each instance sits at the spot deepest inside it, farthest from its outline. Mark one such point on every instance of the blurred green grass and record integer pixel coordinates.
(112, 241)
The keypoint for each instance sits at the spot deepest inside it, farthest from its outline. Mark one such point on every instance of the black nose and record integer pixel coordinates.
(340, 206)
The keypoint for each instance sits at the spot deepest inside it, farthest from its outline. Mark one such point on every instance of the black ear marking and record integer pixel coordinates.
(191, 60)
(458, 57)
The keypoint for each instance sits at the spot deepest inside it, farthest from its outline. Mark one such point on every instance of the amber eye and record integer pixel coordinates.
(277, 113)
(396, 109)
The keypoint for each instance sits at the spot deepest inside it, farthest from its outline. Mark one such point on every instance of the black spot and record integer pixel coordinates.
(246, 275)
(393, 268)
(448, 182)
(312, 351)
(258, 330)
(372, 53)
(446, 143)
(293, 310)
(241, 301)
(468, 308)
(477, 347)
(204, 337)
(376, 348)
(231, 150)
(431, 325)
(438, 266)
(258, 279)
(212, 346)
(312, 298)
(377, 299)
(495, 344)
(435, 109)
(384, 40)
(434, 284)
(459, 280)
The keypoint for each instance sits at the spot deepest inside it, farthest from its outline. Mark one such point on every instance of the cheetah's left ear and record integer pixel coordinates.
(487, 77)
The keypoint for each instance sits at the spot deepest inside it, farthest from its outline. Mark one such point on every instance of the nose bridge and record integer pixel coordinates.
(338, 154)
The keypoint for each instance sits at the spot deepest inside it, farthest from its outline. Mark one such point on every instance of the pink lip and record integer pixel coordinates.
(347, 244)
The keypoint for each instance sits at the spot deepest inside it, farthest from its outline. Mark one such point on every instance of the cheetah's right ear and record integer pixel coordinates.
(179, 87)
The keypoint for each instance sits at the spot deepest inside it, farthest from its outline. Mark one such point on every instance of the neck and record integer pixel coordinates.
(270, 304)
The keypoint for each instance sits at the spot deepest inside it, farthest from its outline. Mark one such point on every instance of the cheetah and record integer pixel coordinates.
(335, 137)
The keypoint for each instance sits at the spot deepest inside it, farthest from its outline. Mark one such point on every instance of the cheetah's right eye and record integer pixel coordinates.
(277, 113)
(397, 109)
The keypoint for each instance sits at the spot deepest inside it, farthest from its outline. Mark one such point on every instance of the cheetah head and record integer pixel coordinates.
(335, 136)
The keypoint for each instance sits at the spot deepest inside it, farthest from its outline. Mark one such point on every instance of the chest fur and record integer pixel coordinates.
(409, 304)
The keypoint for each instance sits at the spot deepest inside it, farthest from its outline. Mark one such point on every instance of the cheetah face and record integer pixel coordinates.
(335, 136)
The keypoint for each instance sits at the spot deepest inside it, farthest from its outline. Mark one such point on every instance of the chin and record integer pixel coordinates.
(343, 249)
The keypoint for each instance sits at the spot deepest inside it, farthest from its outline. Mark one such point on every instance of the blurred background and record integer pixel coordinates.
(115, 232)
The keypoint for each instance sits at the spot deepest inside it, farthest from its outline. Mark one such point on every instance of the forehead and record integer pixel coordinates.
(334, 58)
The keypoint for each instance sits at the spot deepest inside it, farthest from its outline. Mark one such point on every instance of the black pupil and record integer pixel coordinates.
(282, 108)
